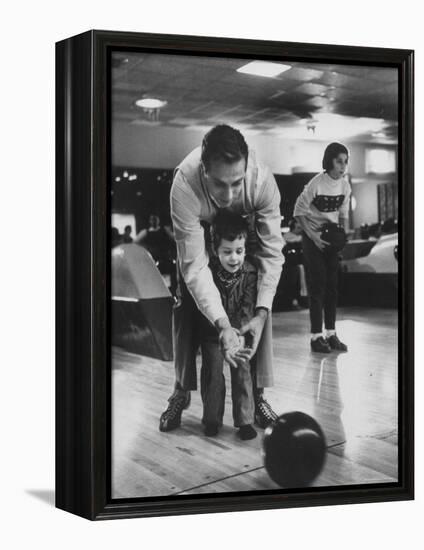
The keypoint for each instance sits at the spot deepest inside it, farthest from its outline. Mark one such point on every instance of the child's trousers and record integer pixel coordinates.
(212, 385)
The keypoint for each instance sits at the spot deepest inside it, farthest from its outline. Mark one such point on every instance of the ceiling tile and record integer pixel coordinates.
(201, 90)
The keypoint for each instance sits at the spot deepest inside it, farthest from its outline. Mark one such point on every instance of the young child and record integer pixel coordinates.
(236, 280)
(325, 200)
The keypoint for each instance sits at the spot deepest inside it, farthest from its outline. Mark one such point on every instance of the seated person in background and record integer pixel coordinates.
(126, 238)
(293, 270)
(116, 237)
(236, 279)
(295, 233)
(155, 237)
(159, 241)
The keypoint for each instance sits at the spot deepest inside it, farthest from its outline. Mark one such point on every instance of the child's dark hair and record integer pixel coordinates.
(331, 152)
(229, 226)
(223, 143)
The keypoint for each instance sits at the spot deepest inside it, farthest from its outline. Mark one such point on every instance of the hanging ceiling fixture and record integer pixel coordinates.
(311, 124)
(151, 106)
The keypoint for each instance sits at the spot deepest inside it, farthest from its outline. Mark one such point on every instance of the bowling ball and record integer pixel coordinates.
(294, 449)
(335, 235)
(293, 254)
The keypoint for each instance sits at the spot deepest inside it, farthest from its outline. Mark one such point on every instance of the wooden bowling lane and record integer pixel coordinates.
(336, 468)
(353, 396)
(147, 462)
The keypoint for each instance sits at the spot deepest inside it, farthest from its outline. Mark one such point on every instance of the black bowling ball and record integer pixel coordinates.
(293, 254)
(335, 235)
(294, 450)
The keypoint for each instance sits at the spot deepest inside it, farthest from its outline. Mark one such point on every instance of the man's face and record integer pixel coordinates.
(231, 254)
(224, 181)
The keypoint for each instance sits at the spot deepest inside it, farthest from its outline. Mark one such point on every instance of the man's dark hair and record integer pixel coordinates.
(229, 226)
(223, 143)
(331, 152)
(128, 228)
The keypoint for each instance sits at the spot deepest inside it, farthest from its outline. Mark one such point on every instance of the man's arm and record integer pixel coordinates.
(269, 255)
(193, 263)
(270, 240)
(193, 259)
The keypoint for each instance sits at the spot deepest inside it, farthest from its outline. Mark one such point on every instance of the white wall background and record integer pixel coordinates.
(141, 146)
(28, 32)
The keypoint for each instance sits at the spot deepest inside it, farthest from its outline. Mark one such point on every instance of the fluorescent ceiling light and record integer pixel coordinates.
(150, 103)
(264, 68)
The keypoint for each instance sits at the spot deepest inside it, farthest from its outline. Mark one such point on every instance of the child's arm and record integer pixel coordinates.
(270, 242)
(248, 305)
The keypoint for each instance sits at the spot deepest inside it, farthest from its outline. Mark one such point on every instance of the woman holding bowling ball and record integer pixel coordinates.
(322, 210)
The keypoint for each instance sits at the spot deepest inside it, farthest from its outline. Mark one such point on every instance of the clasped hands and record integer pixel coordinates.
(239, 345)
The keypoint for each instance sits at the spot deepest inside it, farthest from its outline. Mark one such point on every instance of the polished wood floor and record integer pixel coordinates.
(352, 395)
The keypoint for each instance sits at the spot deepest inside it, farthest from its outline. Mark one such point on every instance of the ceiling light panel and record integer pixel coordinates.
(264, 68)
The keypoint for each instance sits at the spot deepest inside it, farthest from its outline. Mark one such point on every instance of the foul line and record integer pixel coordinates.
(219, 480)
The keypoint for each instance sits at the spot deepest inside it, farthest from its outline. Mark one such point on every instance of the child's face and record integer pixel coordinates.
(339, 165)
(231, 254)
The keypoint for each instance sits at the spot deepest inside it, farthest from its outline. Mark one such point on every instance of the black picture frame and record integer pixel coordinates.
(82, 275)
